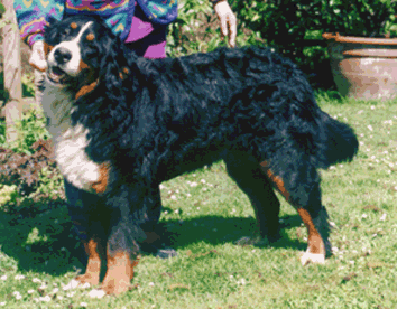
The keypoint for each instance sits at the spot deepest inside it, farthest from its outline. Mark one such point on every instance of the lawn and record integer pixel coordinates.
(207, 215)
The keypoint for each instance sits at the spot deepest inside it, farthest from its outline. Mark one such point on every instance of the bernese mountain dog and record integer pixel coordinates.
(122, 124)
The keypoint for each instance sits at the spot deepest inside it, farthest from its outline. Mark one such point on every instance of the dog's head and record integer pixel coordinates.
(79, 51)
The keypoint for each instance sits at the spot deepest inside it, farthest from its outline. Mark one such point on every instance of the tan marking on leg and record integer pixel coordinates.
(119, 274)
(73, 25)
(90, 37)
(93, 269)
(279, 183)
(314, 239)
(100, 185)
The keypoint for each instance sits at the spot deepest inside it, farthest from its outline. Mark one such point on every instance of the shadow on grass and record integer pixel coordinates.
(217, 230)
(40, 239)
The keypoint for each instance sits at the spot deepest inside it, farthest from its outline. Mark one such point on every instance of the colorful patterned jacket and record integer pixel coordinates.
(32, 15)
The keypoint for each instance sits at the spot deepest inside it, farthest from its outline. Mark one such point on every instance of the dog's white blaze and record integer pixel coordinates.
(69, 141)
(71, 67)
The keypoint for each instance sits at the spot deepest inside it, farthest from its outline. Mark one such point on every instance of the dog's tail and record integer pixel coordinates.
(338, 141)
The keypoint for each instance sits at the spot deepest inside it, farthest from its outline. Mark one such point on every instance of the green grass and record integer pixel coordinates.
(207, 214)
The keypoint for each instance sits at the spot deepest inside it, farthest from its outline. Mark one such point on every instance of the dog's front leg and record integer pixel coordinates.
(125, 232)
(95, 250)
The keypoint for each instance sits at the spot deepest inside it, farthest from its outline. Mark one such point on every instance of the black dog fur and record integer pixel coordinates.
(161, 118)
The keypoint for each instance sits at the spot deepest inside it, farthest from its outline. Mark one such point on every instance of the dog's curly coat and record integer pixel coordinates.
(123, 124)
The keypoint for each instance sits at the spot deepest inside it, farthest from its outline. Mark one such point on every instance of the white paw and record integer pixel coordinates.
(96, 293)
(74, 284)
(317, 258)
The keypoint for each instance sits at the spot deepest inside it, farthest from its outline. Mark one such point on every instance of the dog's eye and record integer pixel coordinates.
(66, 32)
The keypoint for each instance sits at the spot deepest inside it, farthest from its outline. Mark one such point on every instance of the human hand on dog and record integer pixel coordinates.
(228, 21)
(37, 58)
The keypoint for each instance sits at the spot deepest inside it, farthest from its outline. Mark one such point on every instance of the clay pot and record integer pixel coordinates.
(364, 68)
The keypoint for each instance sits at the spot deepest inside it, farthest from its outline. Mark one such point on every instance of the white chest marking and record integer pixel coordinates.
(69, 141)
(72, 159)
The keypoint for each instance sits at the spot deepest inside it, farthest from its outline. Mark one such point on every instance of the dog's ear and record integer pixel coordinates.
(111, 62)
(51, 31)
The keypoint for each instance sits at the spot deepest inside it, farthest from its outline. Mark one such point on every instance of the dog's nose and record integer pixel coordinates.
(62, 55)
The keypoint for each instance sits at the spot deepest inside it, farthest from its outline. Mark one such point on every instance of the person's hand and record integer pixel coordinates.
(37, 57)
(228, 21)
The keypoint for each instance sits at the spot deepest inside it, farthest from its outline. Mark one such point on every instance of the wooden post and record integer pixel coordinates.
(12, 71)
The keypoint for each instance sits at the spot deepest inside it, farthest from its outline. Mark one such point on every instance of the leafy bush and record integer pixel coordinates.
(369, 18)
(294, 27)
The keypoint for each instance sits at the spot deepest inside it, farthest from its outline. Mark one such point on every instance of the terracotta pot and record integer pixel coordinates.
(364, 68)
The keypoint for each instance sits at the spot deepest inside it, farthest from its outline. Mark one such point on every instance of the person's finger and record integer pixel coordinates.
(224, 25)
(232, 30)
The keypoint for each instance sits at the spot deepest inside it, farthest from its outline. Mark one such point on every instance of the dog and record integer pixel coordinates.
(122, 124)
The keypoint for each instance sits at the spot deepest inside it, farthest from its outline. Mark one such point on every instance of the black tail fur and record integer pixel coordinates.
(339, 141)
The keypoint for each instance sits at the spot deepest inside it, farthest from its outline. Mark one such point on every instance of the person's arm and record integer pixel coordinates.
(32, 18)
(227, 18)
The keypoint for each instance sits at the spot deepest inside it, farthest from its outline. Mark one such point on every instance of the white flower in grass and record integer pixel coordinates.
(17, 295)
(369, 127)
(45, 299)
(161, 187)
(173, 197)
(188, 195)
(383, 217)
(373, 107)
(3, 303)
(83, 304)
(36, 280)
(43, 286)
(151, 283)
(20, 277)
(60, 297)
(241, 282)
(3, 277)
(193, 184)
(96, 293)
(71, 294)
(176, 211)
(364, 216)
(31, 291)
(202, 180)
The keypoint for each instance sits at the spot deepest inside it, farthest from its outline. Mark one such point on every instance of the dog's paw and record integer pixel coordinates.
(116, 287)
(317, 258)
(91, 278)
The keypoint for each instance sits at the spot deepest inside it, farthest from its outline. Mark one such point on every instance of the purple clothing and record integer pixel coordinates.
(145, 39)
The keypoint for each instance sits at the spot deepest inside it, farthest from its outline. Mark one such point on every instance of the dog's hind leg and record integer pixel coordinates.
(314, 217)
(250, 179)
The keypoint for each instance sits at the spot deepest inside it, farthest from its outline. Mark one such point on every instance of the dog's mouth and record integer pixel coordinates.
(58, 76)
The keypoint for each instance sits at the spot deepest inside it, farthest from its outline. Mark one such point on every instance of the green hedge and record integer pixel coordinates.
(294, 27)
